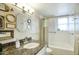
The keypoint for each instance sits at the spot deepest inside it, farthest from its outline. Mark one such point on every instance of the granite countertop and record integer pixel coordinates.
(12, 50)
(22, 51)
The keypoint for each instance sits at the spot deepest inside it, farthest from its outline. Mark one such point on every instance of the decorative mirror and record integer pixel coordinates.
(11, 18)
(1, 22)
(20, 22)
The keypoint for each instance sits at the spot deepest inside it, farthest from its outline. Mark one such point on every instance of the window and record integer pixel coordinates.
(68, 23)
(77, 23)
(62, 23)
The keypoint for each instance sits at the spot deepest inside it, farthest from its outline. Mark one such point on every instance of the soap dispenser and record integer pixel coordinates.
(17, 44)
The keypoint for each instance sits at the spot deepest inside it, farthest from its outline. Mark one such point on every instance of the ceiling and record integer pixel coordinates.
(56, 9)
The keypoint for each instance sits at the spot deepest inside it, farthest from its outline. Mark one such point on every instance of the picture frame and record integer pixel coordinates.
(10, 26)
(2, 25)
(10, 18)
(4, 7)
(7, 31)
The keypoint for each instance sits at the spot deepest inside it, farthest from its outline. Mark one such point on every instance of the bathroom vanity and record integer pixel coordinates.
(9, 48)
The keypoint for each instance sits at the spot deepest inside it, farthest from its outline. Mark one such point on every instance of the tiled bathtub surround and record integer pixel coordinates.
(62, 40)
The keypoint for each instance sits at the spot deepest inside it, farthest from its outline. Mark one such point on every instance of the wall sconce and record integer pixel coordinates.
(28, 9)
(15, 4)
(23, 10)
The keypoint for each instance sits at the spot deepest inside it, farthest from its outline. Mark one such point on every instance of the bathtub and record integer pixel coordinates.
(61, 42)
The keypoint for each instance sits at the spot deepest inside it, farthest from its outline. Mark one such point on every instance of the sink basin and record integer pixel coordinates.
(31, 45)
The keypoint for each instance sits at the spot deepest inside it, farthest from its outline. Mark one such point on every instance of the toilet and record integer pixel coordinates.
(49, 51)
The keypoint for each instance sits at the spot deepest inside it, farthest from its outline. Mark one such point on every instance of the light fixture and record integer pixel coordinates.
(20, 5)
(25, 7)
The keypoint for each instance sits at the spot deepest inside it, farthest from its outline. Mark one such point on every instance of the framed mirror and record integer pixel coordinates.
(20, 22)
